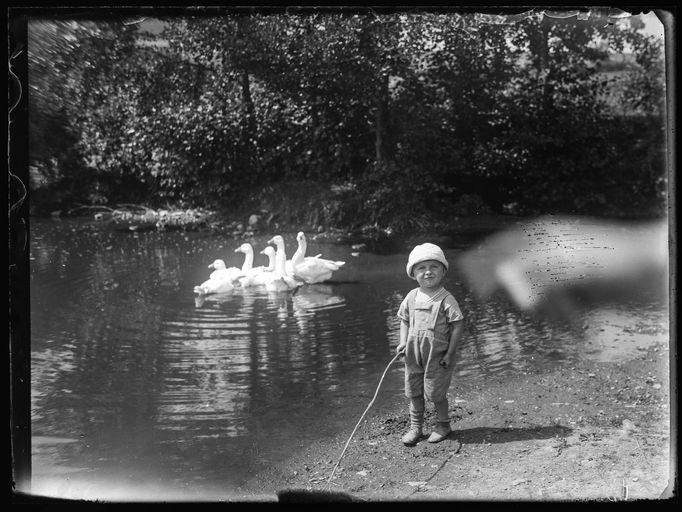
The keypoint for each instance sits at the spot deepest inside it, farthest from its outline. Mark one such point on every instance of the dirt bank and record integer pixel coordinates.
(598, 431)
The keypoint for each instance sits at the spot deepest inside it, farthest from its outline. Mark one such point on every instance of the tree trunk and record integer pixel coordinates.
(248, 136)
(539, 41)
(382, 124)
(247, 103)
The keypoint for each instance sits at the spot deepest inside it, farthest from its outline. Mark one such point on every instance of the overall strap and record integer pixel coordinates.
(437, 307)
(441, 306)
(437, 310)
(411, 299)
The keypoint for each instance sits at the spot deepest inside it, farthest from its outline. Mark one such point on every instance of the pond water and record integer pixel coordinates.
(141, 391)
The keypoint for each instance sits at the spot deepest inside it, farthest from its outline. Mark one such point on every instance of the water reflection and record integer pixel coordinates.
(147, 381)
(308, 301)
(234, 352)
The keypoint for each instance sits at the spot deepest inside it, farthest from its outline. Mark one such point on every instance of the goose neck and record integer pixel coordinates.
(280, 261)
(299, 255)
(248, 261)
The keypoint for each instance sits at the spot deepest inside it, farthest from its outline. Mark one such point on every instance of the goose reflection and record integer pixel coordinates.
(310, 299)
(301, 305)
(278, 302)
(314, 297)
(220, 298)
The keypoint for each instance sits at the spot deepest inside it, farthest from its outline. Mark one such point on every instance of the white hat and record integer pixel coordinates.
(425, 252)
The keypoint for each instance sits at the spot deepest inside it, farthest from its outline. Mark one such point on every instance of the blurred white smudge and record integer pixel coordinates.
(542, 261)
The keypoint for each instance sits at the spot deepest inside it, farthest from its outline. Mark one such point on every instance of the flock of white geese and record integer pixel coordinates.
(280, 275)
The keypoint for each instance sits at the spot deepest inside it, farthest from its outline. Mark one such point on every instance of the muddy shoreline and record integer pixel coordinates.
(599, 431)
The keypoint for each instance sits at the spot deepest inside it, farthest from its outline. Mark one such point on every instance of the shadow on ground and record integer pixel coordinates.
(507, 434)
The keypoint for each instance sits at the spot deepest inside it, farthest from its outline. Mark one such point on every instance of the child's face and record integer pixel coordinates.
(429, 274)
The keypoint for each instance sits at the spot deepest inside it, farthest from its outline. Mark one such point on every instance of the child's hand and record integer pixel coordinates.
(401, 349)
(445, 362)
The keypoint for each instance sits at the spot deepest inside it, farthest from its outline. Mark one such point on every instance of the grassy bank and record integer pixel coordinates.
(332, 214)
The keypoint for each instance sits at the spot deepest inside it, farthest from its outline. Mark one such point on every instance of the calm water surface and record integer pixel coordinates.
(142, 391)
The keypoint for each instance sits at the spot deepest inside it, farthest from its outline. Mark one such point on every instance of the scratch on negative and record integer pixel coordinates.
(17, 82)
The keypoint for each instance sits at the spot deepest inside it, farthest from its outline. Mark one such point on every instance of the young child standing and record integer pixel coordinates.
(430, 328)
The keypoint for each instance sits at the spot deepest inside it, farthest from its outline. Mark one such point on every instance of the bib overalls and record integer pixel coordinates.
(427, 343)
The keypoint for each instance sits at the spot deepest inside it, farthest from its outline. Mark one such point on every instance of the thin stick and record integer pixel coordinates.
(361, 418)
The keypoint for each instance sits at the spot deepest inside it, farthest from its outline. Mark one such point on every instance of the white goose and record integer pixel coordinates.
(312, 270)
(269, 251)
(250, 273)
(219, 281)
(268, 274)
(299, 255)
(282, 280)
(222, 272)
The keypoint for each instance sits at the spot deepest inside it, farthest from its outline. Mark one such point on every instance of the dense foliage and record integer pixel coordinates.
(393, 117)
